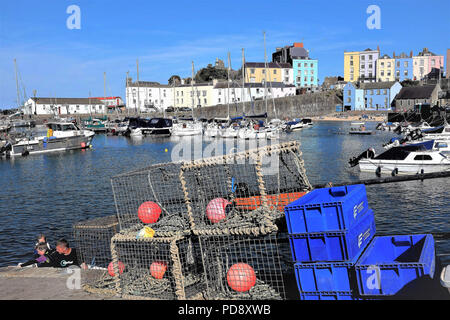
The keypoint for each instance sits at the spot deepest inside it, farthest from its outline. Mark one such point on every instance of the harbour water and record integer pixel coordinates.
(48, 193)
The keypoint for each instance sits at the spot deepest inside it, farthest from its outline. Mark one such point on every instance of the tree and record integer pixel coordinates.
(174, 80)
(209, 73)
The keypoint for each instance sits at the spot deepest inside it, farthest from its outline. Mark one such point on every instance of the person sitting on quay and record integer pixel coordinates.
(64, 256)
(41, 258)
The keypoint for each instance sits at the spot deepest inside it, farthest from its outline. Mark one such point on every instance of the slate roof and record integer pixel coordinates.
(67, 100)
(418, 92)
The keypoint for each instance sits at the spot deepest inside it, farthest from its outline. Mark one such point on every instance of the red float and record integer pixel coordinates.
(216, 209)
(158, 269)
(149, 212)
(241, 277)
(111, 268)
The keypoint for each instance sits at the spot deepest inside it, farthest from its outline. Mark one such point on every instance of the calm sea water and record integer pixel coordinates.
(48, 193)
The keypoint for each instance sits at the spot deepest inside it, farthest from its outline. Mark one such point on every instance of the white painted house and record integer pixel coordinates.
(64, 106)
(148, 96)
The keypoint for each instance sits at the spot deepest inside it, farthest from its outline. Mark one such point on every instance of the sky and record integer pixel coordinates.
(166, 36)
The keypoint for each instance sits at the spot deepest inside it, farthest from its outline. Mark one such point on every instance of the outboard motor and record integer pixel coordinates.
(368, 154)
(398, 130)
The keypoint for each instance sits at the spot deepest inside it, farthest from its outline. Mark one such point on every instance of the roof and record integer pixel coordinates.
(224, 85)
(67, 100)
(148, 84)
(278, 65)
(418, 92)
(377, 85)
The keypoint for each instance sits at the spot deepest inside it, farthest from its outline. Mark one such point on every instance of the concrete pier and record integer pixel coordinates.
(42, 284)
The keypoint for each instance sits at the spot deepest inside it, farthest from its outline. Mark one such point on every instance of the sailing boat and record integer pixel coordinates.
(188, 127)
(258, 130)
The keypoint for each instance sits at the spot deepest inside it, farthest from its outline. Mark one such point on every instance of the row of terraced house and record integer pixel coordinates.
(373, 80)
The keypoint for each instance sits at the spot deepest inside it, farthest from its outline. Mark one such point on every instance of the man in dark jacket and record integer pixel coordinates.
(63, 257)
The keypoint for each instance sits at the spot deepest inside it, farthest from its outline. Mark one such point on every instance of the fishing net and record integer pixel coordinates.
(242, 267)
(244, 192)
(92, 239)
(157, 268)
(152, 197)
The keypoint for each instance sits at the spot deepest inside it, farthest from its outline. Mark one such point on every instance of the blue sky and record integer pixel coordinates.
(167, 35)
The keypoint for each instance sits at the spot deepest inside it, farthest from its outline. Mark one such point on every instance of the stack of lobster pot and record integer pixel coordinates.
(234, 202)
(328, 231)
(154, 256)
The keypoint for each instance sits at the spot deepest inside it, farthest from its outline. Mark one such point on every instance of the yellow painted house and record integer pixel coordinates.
(351, 66)
(255, 72)
(385, 69)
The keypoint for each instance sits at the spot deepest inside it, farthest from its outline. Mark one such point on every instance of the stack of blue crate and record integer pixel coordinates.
(328, 231)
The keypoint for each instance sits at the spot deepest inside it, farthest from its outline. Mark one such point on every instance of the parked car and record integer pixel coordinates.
(170, 109)
(185, 109)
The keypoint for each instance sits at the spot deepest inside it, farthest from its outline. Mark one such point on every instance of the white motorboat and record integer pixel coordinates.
(294, 125)
(60, 137)
(410, 159)
(213, 130)
(187, 128)
(438, 133)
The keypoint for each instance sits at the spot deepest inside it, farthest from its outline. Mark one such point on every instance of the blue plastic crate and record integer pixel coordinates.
(325, 277)
(392, 262)
(344, 245)
(328, 209)
(327, 296)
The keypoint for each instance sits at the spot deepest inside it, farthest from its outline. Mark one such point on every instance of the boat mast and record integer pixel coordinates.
(192, 89)
(265, 72)
(127, 95)
(138, 102)
(104, 92)
(243, 82)
(228, 83)
(17, 84)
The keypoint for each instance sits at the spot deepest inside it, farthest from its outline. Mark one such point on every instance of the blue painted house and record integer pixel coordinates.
(305, 72)
(403, 67)
(379, 95)
(353, 97)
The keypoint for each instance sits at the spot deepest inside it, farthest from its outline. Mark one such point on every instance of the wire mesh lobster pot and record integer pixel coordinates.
(151, 196)
(157, 268)
(92, 239)
(230, 192)
(242, 267)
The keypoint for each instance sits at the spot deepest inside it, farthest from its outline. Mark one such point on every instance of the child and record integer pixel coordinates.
(42, 256)
(42, 239)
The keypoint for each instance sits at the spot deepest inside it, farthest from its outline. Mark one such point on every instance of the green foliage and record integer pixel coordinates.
(175, 79)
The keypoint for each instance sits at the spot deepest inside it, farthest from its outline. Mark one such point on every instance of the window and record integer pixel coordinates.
(299, 65)
(405, 64)
(274, 71)
(349, 100)
(349, 92)
(378, 92)
(363, 58)
(252, 71)
(204, 93)
(370, 66)
(382, 73)
(306, 71)
(205, 100)
(312, 65)
(312, 79)
(351, 62)
(305, 65)
(398, 64)
(385, 91)
(370, 57)
(351, 78)
(219, 100)
(263, 71)
(312, 71)
(388, 64)
(422, 157)
(406, 73)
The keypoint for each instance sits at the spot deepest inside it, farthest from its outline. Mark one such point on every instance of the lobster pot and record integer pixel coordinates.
(152, 197)
(157, 268)
(242, 267)
(92, 239)
(230, 191)
(284, 175)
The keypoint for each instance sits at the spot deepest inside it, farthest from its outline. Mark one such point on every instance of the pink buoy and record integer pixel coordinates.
(158, 269)
(216, 209)
(149, 212)
(241, 277)
(111, 268)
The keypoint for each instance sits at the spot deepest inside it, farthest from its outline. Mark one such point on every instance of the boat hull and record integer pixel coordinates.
(402, 168)
(52, 145)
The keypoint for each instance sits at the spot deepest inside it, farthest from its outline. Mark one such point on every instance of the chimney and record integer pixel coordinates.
(411, 54)
(378, 48)
(298, 44)
(393, 55)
